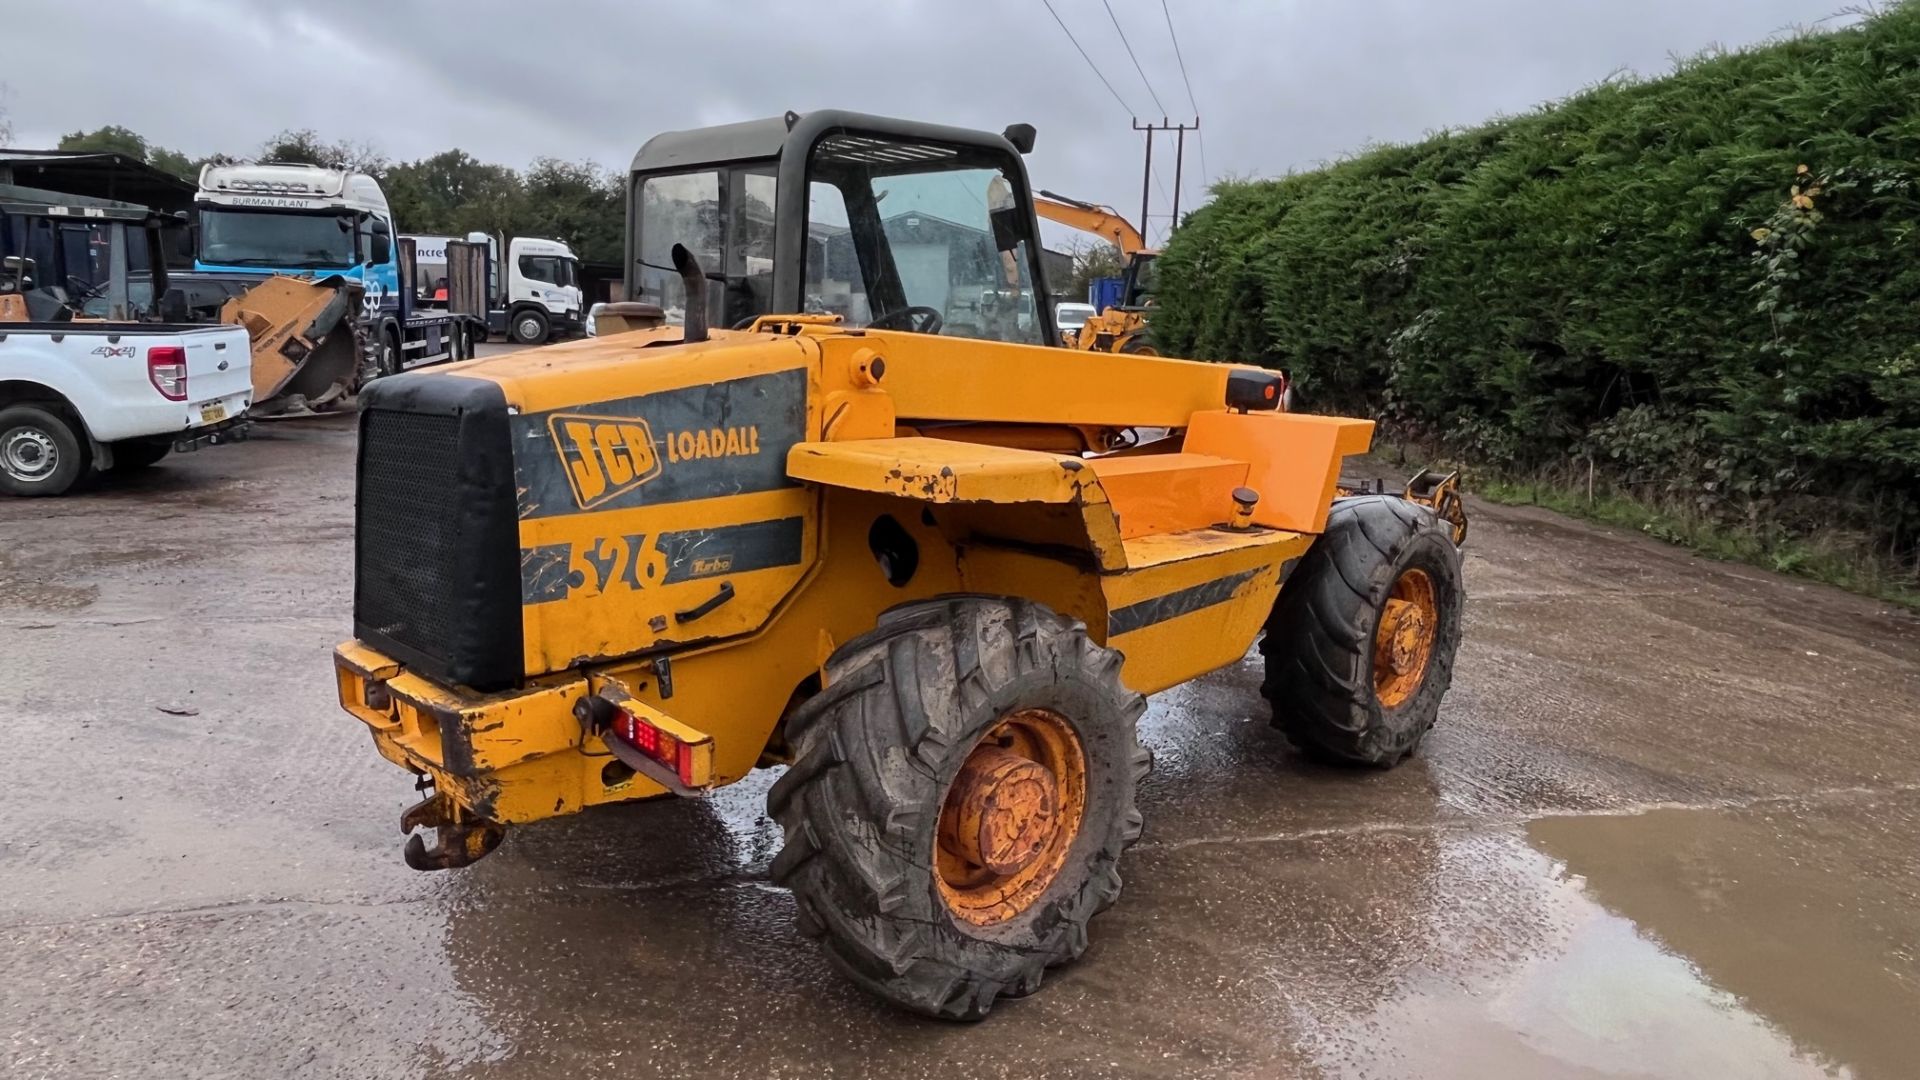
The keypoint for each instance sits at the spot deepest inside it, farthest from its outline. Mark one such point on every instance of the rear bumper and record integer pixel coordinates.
(518, 756)
(232, 430)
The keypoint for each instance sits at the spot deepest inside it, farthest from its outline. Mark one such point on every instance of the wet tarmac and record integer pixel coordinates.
(1669, 826)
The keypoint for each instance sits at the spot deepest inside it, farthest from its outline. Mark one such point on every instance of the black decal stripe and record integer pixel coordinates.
(543, 573)
(731, 549)
(547, 574)
(1186, 601)
(772, 406)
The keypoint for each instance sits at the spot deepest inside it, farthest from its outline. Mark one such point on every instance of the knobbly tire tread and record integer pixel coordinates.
(1318, 644)
(874, 753)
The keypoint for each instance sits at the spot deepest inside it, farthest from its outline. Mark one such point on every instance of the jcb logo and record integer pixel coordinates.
(604, 455)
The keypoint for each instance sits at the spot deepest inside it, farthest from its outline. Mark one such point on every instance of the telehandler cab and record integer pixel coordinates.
(880, 530)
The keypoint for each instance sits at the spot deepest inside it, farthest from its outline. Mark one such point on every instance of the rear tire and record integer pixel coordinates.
(873, 815)
(136, 454)
(530, 327)
(42, 451)
(1344, 688)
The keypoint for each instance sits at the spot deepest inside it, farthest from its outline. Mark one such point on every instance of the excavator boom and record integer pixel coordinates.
(1101, 221)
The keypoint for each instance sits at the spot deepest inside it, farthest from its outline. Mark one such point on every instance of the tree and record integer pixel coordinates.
(453, 192)
(1092, 259)
(578, 202)
(304, 147)
(175, 162)
(112, 139)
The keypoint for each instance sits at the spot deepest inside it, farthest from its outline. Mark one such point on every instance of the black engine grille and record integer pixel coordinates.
(410, 472)
(436, 553)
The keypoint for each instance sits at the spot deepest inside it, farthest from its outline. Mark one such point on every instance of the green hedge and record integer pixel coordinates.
(1642, 274)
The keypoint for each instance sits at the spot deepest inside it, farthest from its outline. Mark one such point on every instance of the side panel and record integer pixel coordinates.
(660, 518)
(939, 378)
(1177, 620)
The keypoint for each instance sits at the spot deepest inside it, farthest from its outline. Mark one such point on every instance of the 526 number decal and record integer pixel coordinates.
(613, 562)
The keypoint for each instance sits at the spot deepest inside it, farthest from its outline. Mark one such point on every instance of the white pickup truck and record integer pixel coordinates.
(91, 377)
(83, 396)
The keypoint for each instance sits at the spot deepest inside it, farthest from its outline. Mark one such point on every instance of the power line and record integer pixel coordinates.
(1198, 137)
(1176, 54)
(1090, 64)
(1129, 47)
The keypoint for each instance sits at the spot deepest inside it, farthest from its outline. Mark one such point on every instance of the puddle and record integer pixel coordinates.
(1768, 942)
(1804, 915)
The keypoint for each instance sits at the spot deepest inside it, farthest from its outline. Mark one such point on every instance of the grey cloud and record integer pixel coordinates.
(1281, 84)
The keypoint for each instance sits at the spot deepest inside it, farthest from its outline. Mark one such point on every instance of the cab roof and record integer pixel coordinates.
(38, 202)
(753, 140)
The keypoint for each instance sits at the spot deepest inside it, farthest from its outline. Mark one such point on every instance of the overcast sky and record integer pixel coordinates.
(1278, 84)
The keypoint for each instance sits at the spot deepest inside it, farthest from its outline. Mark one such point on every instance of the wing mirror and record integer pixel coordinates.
(382, 242)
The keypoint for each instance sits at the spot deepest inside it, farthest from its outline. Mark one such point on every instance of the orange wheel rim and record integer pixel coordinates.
(1403, 640)
(1010, 817)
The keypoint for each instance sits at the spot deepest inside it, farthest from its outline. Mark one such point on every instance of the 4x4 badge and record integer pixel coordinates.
(603, 455)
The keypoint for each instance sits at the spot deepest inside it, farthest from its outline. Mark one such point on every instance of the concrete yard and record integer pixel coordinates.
(1669, 826)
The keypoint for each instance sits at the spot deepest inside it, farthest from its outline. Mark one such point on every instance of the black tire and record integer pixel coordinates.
(530, 326)
(387, 360)
(874, 756)
(1319, 644)
(1138, 345)
(136, 454)
(42, 451)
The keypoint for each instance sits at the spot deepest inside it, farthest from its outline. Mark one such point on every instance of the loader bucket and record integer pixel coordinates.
(303, 340)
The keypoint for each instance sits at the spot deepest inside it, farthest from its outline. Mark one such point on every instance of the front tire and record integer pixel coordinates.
(42, 451)
(1359, 649)
(960, 795)
(530, 327)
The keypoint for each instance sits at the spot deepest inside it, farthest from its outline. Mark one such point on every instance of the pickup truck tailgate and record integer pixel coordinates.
(219, 374)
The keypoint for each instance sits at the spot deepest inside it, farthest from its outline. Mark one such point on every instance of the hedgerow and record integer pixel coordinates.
(1708, 284)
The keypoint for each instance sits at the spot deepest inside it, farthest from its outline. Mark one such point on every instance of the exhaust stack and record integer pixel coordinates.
(694, 283)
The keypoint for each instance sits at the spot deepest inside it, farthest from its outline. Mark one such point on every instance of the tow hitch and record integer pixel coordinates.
(460, 840)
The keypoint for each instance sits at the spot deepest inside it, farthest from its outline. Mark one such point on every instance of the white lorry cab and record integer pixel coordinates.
(534, 297)
(329, 224)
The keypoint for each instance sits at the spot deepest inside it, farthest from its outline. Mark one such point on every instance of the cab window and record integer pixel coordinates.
(919, 237)
(551, 269)
(725, 217)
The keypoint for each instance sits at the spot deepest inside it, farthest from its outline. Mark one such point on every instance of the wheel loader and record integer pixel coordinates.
(1122, 327)
(812, 527)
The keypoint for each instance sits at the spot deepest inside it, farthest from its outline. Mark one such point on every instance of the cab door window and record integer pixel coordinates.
(933, 229)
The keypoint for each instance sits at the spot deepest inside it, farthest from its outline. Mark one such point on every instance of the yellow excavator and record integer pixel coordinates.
(1121, 328)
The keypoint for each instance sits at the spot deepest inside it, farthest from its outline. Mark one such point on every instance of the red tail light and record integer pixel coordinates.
(658, 745)
(167, 370)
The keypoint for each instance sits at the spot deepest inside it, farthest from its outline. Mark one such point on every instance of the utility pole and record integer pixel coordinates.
(1179, 160)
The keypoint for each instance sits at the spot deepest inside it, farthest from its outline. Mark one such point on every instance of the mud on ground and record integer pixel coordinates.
(1669, 826)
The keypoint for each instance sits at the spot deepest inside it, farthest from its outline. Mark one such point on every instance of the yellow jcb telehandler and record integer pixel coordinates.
(932, 576)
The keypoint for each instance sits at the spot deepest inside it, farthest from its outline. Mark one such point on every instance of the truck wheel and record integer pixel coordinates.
(960, 796)
(136, 454)
(530, 327)
(41, 451)
(387, 362)
(1360, 645)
